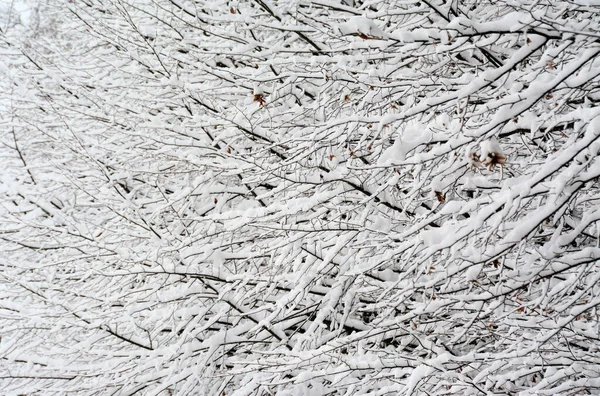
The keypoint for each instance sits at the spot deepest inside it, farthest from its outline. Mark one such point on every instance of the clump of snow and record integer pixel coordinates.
(411, 137)
(361, 26)
(473, 272)
(416, 376)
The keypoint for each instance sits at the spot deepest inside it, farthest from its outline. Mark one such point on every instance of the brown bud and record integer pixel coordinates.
(494, 159)
(440, 196)
(260, 99)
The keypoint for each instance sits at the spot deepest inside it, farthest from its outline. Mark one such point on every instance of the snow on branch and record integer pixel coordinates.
(328, 197)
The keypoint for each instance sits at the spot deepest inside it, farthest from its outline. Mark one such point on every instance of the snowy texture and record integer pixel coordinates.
(316, 197)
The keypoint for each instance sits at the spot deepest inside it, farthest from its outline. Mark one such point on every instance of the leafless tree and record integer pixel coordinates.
(300, 197)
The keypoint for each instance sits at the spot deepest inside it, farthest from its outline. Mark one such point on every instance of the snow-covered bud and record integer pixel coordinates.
(472, 157)
(492, 154)
(259, 96)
